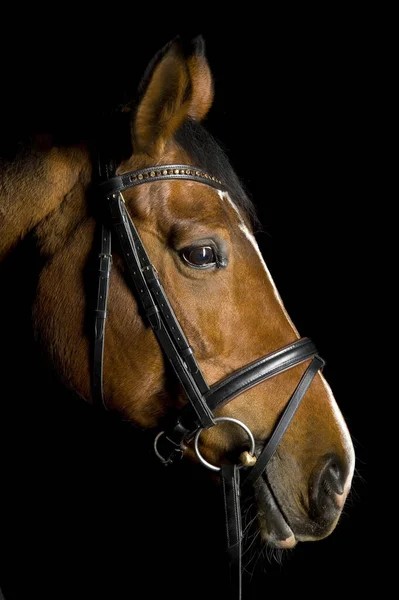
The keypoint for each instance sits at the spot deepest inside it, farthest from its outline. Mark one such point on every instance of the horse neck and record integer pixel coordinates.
(34, 186)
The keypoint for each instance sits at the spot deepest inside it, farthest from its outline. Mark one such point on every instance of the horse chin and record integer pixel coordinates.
(278, 530)
(274, 528)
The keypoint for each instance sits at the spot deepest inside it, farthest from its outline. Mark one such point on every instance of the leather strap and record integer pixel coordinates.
(226, 389)
(272, 364)
(105, 171)
(230, 477)
(158, 311)
(165, 309)
(159, 173)
(285, 419)
(104, 271)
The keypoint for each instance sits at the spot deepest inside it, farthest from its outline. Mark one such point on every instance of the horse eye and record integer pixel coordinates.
(200, 257)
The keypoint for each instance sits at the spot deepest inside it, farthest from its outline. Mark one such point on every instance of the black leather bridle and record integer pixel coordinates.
(203, 399)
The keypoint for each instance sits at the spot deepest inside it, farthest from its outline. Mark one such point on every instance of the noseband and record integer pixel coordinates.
(203, 399)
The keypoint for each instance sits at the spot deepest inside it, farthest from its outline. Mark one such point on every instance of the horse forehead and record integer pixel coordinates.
(179, 208)
(187, 206)
(188, 199)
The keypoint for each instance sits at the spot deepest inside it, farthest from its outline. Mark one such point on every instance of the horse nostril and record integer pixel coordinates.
(334, 478)
(326, 483)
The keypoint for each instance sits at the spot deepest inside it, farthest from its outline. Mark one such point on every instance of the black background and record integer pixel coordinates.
(290, 109)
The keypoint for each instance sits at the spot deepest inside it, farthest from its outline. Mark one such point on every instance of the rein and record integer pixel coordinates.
(203, 399)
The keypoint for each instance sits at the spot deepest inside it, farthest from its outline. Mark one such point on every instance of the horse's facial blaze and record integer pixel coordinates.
(230, 312)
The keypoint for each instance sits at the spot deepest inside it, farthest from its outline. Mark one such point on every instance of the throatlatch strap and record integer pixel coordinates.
(104, 270)
(231, 496)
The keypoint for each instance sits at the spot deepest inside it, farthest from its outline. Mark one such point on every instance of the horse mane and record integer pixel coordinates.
(209, 155)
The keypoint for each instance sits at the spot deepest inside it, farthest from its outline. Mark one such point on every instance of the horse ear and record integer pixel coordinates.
(201, 81)
(177, 85)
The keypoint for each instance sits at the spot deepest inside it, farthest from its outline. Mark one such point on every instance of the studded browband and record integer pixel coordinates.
(161, 173)
(203, 399)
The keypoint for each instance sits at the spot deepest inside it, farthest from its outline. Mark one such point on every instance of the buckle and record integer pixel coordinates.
(176, 452)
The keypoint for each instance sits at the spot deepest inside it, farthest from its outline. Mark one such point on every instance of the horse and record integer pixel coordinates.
(199, 236)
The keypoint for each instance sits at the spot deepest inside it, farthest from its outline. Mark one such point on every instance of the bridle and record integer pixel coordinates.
(203, 399)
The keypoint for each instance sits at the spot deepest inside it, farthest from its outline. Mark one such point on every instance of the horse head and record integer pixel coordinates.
(201, 241)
